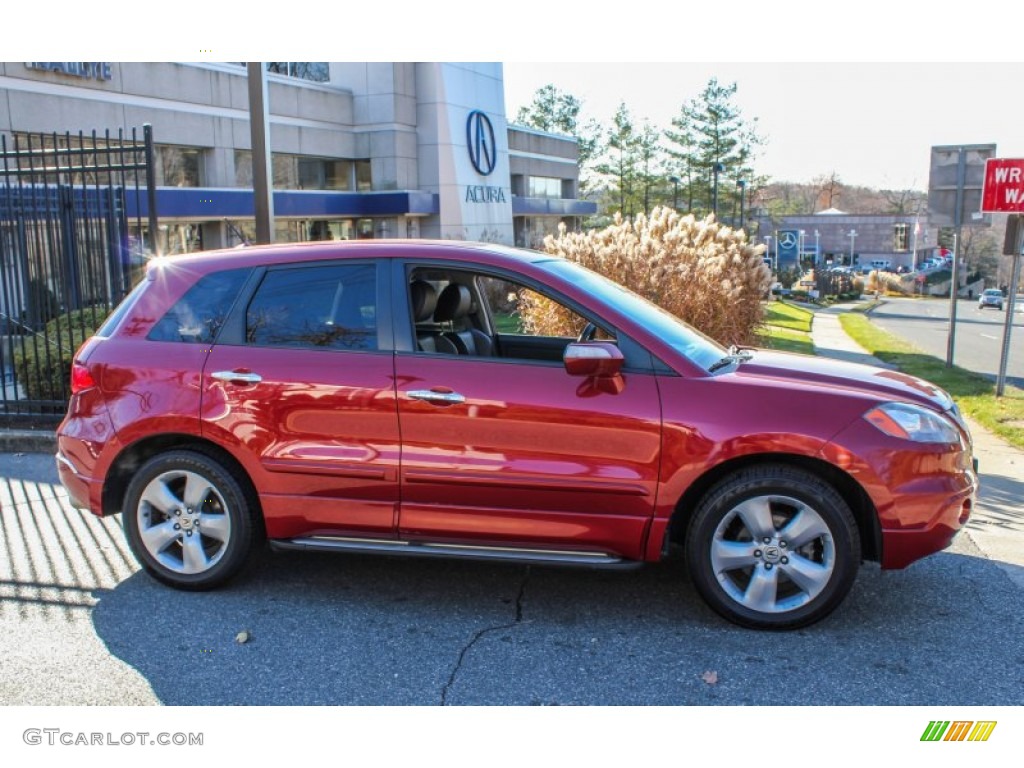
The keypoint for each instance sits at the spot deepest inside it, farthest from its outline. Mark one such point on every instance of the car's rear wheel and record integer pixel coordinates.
(773, 547)
(188, 520)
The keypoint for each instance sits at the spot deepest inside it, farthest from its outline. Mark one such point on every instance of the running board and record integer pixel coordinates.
(463, 551)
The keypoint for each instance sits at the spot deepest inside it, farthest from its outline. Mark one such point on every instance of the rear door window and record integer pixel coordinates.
(324, 307)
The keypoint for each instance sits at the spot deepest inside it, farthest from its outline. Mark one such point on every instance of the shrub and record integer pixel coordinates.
(707, 274)
(43, 364)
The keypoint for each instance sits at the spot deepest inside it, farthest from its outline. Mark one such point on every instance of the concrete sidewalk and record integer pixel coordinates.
(997, 525)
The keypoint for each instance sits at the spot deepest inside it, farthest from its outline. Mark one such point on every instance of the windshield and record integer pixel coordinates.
(683, 338)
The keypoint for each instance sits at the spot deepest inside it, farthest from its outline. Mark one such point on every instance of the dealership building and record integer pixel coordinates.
(833, 238)
(358, 150)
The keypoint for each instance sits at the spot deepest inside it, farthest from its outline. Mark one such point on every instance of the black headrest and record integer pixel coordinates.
(424, 299)
(453, 303)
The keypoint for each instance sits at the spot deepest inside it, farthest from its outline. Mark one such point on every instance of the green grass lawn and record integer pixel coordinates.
(508, 322)
(787, 328)
(782, 315)
(974, 393)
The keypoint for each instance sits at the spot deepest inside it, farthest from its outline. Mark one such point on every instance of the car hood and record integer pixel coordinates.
(830, 373)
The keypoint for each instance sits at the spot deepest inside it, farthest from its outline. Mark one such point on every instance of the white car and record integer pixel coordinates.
(991, 297)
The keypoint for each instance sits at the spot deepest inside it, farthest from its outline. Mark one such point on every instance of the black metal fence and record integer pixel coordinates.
(76, 212)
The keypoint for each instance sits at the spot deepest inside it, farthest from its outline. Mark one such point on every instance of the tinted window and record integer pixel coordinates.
(111, 323)
(331, 307)
(198, 315)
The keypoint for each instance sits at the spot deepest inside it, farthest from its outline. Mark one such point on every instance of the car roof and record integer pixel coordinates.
(286, 253)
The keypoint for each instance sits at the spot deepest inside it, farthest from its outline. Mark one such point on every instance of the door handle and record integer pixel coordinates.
(237, 377)
(430, 396)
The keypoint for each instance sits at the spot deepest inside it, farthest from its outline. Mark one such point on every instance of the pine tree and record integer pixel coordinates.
(710, 132)
(622, 163)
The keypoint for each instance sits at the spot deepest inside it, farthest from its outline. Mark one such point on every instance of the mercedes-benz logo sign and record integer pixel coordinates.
(787, 240)
(483, 152)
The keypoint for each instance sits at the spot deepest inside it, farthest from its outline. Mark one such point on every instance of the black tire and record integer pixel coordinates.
(773, 584)
(165, 528)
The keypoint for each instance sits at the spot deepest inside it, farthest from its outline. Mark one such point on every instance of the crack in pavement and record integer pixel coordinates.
(462, 654)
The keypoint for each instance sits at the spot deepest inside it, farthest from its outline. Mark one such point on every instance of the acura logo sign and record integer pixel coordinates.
(480, 140)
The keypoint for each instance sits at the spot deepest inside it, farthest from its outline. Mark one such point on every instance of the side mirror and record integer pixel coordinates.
(593, 358)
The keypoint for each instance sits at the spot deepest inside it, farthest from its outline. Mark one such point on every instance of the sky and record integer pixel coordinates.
(872, 123)
(863, 89)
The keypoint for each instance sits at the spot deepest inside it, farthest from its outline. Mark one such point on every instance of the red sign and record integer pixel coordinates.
(1004, 186)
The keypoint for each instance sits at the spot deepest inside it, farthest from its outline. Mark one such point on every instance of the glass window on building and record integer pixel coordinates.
(338, 174)
(181, 238)
(900, 237)
(533, 230)
(179, 166)
(314, 71)
(298, 172)
(318, 173)
(88, 155)
(243, 168)
(364, 178)
(544, 186)
(285, 170)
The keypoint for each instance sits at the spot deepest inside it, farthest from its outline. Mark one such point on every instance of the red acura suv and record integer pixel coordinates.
(385, 397)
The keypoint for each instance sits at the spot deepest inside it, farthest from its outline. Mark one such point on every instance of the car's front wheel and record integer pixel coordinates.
(773, 547)
(188, 520)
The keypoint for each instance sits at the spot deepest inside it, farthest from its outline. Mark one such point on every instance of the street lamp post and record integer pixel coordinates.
(675, 192)
(817, 247)
(800, 250)
(853, 237)
(742, 186)
(717, 168)
(768, 249)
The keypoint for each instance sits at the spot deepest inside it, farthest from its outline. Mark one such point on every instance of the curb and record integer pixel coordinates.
(27, 441)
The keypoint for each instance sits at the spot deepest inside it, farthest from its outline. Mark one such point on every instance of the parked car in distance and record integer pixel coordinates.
(386, 397)
(991, 297)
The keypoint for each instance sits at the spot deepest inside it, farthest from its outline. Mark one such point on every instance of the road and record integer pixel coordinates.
(82, 625)
(979, 332)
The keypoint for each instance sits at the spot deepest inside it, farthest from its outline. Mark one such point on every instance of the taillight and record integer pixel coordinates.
(80, 378)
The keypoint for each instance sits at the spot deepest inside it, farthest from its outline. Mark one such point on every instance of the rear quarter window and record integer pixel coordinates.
(197, 316)
(110, 324)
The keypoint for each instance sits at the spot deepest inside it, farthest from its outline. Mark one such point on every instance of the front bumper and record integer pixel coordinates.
(922, 494)
(902, 546)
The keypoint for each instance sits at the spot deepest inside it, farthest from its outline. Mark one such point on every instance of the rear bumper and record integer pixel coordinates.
(78, 485)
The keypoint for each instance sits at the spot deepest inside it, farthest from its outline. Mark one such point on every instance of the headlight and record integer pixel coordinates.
(913, 422)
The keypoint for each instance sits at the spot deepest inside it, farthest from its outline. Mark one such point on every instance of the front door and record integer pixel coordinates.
(502, 447)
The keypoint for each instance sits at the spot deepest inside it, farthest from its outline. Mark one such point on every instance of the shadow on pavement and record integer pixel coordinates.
(1001, 496)
(367, 631)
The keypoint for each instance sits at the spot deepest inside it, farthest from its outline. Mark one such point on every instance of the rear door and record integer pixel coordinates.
(301, 385)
